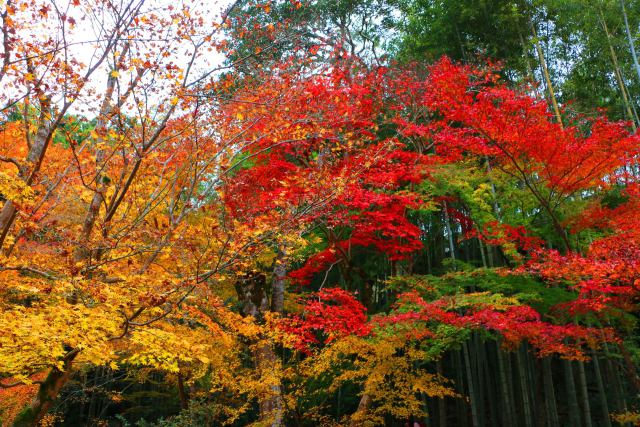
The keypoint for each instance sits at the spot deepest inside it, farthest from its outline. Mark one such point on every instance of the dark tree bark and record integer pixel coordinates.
(549, 393)
(252, 293)
(570, 387)
(47, 394)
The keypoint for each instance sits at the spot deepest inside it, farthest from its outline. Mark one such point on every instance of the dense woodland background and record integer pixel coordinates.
(319, 213)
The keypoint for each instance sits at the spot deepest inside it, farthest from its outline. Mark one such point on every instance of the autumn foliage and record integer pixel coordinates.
(259, 239)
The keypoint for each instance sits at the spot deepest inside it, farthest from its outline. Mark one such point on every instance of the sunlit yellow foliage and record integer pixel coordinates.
(389, 368)
(626, 418)
(14, 189)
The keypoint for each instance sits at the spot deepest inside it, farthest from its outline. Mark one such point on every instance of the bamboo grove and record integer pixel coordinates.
(321, 213)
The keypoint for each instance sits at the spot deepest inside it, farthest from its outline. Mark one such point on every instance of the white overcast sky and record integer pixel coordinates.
(83, 40)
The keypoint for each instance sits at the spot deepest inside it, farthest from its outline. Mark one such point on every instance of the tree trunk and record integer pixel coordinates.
(461, 407)
(539, 407)
(549, 393)
(632, 46)
(184, 399)
(545, 73)
(482, 255)
(614, 382)
(478, 356)
(442, 403)
(630, 367)
(490, 384)
(618, 73)
(447, 223)
(475, 421)
(35, 155)
(524, 388)
(574, 409)
(604, 404)
(361, 412)
(278, 282)
(508, 415)
(252, 292)
(97, 379)
(83, 252)
(47, 394)
(363, 408)
(530, 75)
(271, 405)
(584, 394)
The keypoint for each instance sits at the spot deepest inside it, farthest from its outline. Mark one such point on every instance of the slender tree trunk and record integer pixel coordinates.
(496, 209)
(530, 75)
(462, 49)
(604, 404)
(630, 367)
(104, 402)
(584, 395)
(482, 255)
(83, 405)
(447, 224)
(545, 72)
(618, 73)
(442, 403)
(508, 357)
(425, 408)
(613, 376)
(549, 393)
(524, 388)
(506, 394)
(278, 283)
(632, 46)
(428, 256)
(184, 399)
(573, 407)
(472, 396)
(461, 407)
(94, 402)
(489, 382)
(482, 380)
(539, 407)
(159, 247)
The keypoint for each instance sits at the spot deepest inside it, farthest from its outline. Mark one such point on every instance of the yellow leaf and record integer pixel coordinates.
(115, 74)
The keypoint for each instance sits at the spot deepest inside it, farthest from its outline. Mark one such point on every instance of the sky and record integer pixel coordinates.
(81, 26)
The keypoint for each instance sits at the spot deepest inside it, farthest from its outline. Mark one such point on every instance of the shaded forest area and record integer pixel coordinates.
(319, 213)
